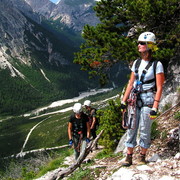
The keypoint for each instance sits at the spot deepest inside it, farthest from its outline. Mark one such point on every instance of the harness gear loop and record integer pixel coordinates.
(132, 109)
(125, 119)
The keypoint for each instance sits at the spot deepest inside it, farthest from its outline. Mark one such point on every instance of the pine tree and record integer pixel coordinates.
(107, 43)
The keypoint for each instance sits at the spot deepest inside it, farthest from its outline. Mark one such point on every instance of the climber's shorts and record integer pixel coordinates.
(143, 123)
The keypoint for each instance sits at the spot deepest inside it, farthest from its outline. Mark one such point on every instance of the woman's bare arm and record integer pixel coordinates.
(159, 85)
(129, 87)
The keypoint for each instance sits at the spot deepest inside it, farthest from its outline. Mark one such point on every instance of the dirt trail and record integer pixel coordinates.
(31, 130)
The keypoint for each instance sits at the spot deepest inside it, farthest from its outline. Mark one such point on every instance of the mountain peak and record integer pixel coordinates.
(73, 13)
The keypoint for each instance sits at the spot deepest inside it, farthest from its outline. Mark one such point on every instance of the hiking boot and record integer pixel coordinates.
(142, 160)
(128, 160)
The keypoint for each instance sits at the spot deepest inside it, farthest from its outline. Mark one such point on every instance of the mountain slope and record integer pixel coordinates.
(72, 13)
(35, 65)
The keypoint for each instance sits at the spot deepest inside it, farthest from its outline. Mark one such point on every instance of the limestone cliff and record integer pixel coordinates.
(19, 37)
(73, 13)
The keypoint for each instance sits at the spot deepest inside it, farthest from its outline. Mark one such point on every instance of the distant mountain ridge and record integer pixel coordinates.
(14, 33)
(73, 13)
(15, 26)
(43, 7)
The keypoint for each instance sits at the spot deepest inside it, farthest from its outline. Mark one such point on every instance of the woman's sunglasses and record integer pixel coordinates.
(142, 43)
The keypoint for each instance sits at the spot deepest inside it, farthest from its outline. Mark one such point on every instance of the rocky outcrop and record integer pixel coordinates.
(163, 156)
(171, 90)
(72, 13)
(75, 15)
(12, 30)
(42, 7)
(19, 37)
(26, 9)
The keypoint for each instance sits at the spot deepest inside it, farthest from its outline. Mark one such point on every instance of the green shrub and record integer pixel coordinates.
(55, 163)
(163, 135)
(27, 175)
(81, 174)
(105, 154)
(154, 131)
(32, 167)
(177, 116)
(110, 122)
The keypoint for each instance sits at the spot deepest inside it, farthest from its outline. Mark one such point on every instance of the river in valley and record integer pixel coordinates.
(65, 101)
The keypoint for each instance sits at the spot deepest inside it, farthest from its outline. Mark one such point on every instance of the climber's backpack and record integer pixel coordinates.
(94, 112)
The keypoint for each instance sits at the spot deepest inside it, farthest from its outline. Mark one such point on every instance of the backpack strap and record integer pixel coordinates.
(141, 81)
(145, 71)
(155, 65)
(154, 79)
(138, 62)
(93, 111)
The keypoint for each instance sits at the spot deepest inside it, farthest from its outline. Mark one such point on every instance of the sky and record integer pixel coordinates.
(54, 1)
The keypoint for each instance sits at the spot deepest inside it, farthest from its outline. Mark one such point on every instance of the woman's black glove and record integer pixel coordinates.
(123, 106)
(153, 113)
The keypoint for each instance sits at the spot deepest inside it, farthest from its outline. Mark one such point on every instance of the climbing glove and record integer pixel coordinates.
(70, 142)
(88, 140)
(153, 113)
(123, 106)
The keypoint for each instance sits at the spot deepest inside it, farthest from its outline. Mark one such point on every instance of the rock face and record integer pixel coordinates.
(26, 9)
(163, 156)
(171, 93)
(72, 13)
(42, 7)
(19, 37)
(75, 15)
(18, 33)
(12, 30)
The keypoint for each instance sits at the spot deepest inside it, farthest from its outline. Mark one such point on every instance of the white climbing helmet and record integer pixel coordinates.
(77, 108)
(87, 103)
(147, 37)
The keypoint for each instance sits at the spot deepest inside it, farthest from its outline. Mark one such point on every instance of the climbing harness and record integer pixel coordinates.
(125, 119)
(78, 147)
(129, 114)
(134, 101)
(141, 81)
(78, 133)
